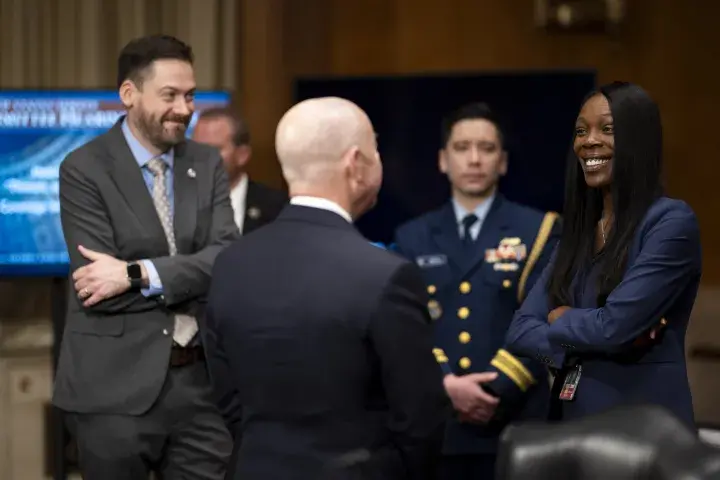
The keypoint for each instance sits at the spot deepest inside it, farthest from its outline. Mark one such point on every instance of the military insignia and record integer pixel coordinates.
(254, 213)
(506, 256)
(511, 249)
(506, 267)
(434, 309)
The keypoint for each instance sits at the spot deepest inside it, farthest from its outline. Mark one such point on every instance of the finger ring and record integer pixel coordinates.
(86, 293)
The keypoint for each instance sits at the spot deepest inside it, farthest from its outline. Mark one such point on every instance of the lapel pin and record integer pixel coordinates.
(191, 173)
(254, 213)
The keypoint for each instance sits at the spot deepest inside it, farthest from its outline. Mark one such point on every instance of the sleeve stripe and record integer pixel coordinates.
(542, 237)
(440, 356)
(442, 360)
(513, 369)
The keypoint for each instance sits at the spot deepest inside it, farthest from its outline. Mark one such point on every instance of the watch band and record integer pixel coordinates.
(134, 275)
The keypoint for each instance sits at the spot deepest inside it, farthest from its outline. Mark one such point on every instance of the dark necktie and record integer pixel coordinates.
(467, 223)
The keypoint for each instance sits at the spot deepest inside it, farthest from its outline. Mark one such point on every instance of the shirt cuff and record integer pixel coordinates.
(155, 287)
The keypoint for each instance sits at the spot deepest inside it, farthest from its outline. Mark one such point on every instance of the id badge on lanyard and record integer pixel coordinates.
(570, 385)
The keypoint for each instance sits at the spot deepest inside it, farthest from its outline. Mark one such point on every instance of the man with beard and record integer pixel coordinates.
(254, 204)
(322, 340)
(480, 254)
(144, 214)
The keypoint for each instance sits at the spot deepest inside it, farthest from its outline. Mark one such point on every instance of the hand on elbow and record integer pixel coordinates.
(104, 277)
(557, 313)
(652, 337)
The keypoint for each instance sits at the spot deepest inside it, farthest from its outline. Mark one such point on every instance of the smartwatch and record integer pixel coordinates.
(134, 274)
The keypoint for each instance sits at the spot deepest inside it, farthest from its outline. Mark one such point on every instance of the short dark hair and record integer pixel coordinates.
(470, 111)
(636, 184)
(138, 56)
(241, 132)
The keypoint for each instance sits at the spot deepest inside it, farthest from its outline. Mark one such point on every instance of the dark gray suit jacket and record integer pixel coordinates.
(114, 356)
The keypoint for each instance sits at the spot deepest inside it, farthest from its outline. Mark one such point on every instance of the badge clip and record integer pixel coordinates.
(569, 388)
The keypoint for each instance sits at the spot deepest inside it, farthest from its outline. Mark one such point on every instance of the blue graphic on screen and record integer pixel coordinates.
(37, 131)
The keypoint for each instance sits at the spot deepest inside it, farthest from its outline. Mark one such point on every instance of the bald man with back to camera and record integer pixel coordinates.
(321, 341)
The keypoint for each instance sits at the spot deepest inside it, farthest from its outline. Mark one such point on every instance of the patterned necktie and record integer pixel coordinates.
(185, 326)
(467, 224)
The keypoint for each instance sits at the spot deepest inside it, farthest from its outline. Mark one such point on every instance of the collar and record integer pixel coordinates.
(481, 210)
(242, 185)
(321, 203)
(141, 154)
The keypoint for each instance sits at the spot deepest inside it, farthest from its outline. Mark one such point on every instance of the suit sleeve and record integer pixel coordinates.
(518, 372)
(85, 222)
(401, 333)
(670, 258)
(226, 395)
(401, 246)
(185, 277)
(527, 335)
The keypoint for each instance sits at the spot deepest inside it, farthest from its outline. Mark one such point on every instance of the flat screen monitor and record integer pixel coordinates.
(37, 130)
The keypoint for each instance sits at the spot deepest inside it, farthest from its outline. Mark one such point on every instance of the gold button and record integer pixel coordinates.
(507, 283)
(431, 289)
(464, 337)
(464, 313)
(465, 287)
(465, 363)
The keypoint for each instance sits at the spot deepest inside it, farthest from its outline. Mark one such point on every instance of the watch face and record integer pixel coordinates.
(133, 271)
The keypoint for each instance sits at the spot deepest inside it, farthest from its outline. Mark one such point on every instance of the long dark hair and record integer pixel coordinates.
(636, 184)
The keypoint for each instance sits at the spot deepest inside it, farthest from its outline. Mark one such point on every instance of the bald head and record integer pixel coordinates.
(318, 132)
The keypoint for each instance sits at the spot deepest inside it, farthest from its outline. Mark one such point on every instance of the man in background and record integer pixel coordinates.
(480, 254)
(323, 341)
(144, 213)
(254, 204)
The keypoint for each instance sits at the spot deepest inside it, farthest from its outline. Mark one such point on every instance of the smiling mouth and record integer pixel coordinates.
(595, 163)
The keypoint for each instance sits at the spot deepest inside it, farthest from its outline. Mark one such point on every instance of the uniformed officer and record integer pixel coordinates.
(480, 254)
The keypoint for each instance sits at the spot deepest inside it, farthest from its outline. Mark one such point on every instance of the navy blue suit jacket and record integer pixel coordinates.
(319, 347)
(661, 282)
(473, 295)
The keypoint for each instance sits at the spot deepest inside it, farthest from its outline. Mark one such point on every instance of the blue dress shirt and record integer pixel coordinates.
(142, 157)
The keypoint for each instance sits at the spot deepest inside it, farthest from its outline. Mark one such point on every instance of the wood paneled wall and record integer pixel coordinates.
(668, 47)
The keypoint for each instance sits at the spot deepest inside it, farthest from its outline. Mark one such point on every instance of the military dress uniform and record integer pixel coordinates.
(478, 268)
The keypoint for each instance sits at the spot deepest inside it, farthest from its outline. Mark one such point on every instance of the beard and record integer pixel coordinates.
(159, 132)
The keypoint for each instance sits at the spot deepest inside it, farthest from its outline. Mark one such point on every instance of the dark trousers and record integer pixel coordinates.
(468, 467)
(181, 437)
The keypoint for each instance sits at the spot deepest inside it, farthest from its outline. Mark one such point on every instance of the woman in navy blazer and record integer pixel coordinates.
(610, 312)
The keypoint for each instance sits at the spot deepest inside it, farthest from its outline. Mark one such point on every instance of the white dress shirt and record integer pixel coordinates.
(321, 203)
(480, 211)
(238, 199)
